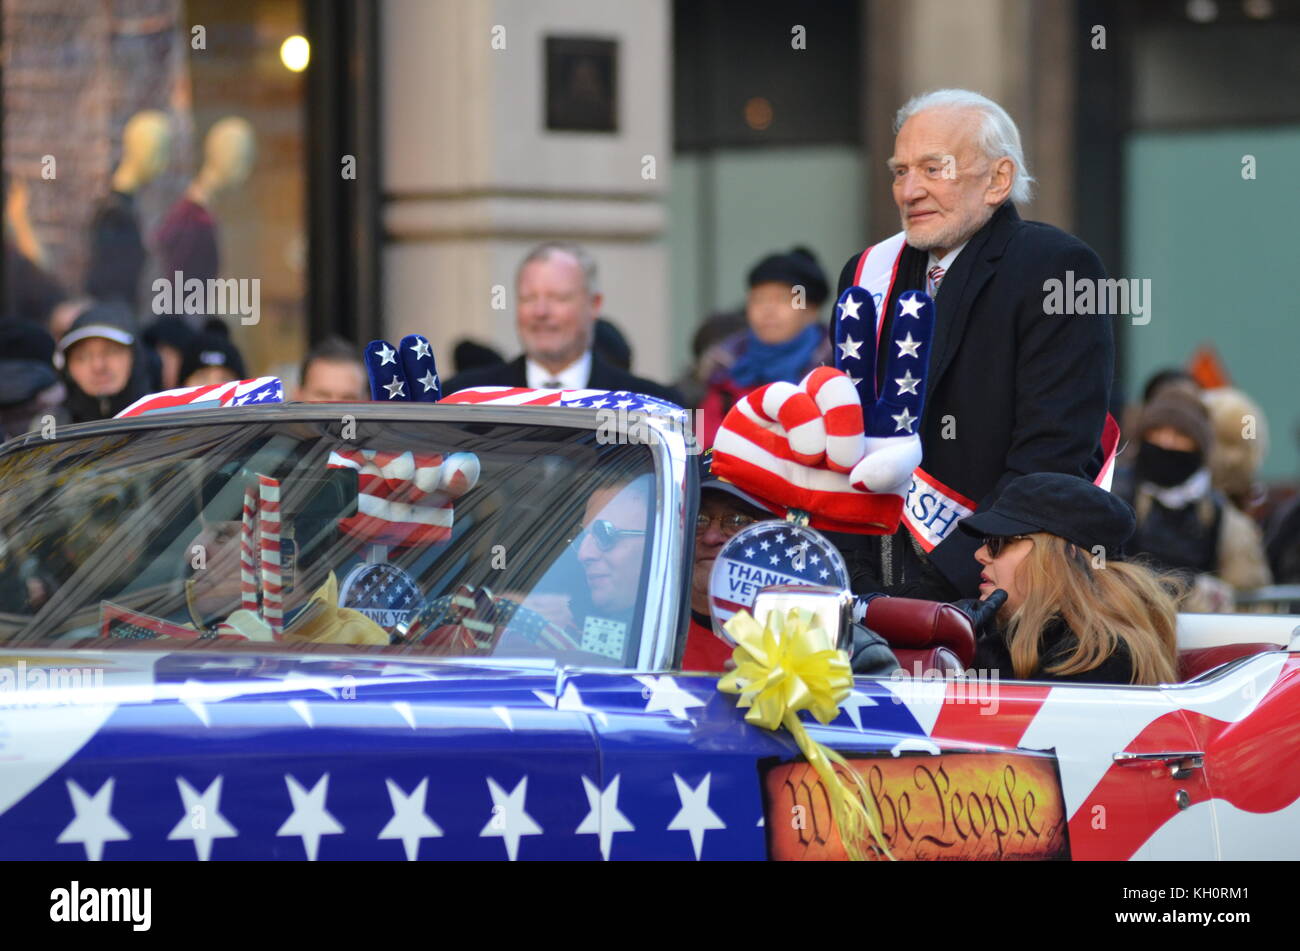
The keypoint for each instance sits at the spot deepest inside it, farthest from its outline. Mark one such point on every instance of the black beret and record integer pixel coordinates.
(1063, 505)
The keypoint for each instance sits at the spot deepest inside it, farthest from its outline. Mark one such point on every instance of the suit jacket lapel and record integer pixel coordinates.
(972, 270)
(518, 371)
(599, 377)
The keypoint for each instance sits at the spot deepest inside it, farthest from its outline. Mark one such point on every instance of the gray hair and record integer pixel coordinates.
(998, 136)
(543, 252)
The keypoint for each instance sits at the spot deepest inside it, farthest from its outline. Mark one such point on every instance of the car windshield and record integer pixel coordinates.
(423, 537)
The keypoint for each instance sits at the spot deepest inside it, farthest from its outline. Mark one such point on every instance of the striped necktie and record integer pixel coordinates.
(935, 275)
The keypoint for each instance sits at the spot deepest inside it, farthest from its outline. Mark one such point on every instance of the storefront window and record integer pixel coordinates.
(154, 154)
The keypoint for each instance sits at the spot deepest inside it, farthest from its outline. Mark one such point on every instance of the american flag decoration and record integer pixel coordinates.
(579, 399)
(259, 553)
(263, 389)
(405, 499)
(406, 373)
(895, 412)
(766, 554)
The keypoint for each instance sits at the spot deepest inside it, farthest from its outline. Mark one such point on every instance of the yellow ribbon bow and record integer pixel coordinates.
(788, 666)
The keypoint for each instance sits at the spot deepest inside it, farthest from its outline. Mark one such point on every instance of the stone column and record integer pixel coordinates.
(1020, 53)
(472, 178)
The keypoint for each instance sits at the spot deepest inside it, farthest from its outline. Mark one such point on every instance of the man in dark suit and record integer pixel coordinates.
(1013, 387)
(557, 306)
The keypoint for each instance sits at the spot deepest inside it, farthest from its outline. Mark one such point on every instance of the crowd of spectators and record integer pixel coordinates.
(1186, 468)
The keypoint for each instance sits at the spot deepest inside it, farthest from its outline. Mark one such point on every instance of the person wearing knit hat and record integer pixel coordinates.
(103, 367)
(211, 357)
(1240, 444)
(1183, 523)
(783, 339)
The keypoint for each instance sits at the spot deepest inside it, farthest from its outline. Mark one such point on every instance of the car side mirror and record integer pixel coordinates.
(833, 607)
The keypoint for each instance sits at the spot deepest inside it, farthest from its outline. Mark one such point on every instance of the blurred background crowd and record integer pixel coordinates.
(384, 167)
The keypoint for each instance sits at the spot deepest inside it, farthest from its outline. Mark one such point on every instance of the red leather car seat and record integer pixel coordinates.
(939, 660)
(1193, 663)
(924, 635)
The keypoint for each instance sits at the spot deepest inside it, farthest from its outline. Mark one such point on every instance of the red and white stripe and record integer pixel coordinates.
(268, 530)
(841, 409)
(794, 445)
(247, 553)
(405, 498)
(514, 396)
(222, 394)
(260, 571)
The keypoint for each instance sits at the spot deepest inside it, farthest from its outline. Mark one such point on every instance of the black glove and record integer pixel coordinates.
(871, 654)
(982, 613)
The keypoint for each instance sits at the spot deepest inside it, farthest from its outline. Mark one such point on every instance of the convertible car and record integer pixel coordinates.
(424, 631)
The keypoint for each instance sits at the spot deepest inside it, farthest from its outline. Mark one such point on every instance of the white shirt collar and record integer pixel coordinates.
(573, 377)
(945, 262)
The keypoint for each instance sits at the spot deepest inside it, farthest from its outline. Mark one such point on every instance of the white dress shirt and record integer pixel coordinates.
(945, 262)
(572, 377)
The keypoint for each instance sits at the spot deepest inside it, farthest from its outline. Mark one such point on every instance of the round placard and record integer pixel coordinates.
(382, 592)
(770, 553)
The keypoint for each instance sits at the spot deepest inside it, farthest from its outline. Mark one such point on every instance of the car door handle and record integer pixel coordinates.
(1180, 764)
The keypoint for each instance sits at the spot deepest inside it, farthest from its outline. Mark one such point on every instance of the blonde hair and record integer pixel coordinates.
(1117, 603)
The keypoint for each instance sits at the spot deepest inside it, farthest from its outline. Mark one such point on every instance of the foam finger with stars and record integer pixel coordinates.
(405, 373)
(891, 417)
(416, 357)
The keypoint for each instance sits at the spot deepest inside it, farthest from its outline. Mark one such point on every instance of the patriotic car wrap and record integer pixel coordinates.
(209, 755)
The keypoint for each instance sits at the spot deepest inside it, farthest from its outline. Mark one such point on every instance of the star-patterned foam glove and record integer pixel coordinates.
(893, 446)
(406, 373)
(794, 447)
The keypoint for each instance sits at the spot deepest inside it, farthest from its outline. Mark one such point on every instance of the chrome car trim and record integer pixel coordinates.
(665, 582)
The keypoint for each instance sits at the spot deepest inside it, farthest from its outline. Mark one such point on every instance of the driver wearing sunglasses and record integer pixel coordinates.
(611, 546)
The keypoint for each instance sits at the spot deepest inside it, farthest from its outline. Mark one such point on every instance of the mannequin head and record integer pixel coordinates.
(228, 155)
(146, 150)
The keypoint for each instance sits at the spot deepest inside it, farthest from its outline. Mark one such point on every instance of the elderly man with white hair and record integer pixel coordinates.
(1011, 389)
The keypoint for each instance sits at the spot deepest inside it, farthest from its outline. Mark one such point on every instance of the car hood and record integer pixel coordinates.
(35, 677)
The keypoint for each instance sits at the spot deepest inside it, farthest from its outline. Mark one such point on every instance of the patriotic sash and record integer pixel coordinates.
(932, 509)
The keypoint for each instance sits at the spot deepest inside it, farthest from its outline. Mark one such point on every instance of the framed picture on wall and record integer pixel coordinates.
(581, 84)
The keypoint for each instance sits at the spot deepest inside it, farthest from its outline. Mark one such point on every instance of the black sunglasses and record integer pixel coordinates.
(605, 534)
(996, 543)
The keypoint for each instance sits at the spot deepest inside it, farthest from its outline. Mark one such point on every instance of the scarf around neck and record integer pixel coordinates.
(761, 363)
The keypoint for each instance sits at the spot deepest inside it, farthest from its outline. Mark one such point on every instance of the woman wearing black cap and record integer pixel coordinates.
(783, 340)
(1074, 610)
